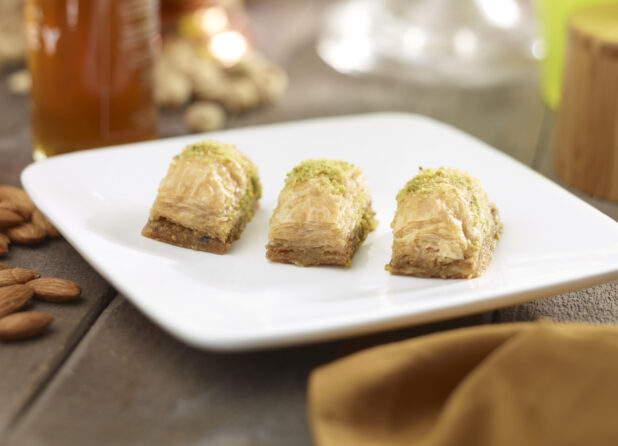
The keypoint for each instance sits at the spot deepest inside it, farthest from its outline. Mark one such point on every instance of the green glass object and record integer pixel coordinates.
(554, 19)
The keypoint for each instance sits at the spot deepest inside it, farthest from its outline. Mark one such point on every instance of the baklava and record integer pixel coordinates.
(209, 194)
(444, 226)
(323, 215)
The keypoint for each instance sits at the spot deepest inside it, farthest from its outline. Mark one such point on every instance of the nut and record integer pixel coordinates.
(3, 266)
(13, 276)
(208, 80)
(41, 222)
(26, 234)
(5, 238)
(9, 218)
(178, 53)
(241, 94)
(55, 290)
(19, 82)
(13, 297)
(9, 205)
(19, 198)
(272, 83)
(23, 325)
(204, 117)
(172, 87)
(270, 79)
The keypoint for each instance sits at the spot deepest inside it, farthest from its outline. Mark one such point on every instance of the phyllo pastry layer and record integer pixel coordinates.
(444, 226)
(322, 216)
(206, 199)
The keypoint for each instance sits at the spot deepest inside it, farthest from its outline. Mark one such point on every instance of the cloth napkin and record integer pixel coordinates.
(509, 384)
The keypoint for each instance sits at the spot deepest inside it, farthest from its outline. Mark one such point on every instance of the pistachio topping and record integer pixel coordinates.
(434, 181)
(331, 173)
(368, 223)
(248, 200)
(427, 180)
(209, 150)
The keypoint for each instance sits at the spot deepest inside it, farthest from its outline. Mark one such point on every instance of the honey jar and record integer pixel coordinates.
(91, 64)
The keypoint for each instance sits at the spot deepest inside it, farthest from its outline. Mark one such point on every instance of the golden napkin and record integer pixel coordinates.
(510, 384)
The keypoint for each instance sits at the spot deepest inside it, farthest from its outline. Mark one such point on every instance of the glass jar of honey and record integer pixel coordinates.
(91, 66)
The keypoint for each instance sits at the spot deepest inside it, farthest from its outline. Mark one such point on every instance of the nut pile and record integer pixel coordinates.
(184, 71)
(22, 223)
(17, 288)
(186, 76)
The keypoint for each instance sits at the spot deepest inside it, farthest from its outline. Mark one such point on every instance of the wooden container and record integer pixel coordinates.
(585, 149)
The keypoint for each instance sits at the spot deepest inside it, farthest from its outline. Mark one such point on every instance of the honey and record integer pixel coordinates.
(91, 65)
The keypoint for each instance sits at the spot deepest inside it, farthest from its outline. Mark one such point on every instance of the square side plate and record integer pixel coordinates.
(100, 199)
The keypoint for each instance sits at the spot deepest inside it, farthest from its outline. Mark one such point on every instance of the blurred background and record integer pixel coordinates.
(490, 67)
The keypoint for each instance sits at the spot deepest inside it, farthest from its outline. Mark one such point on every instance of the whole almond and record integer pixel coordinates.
(41, 222)
(9, 218)
(19, 197)
(13, 297)
(3, 266)
(55, 290)
(13, 276)
(23, 325)
(18, 209)
(26, 234)
(5, 238)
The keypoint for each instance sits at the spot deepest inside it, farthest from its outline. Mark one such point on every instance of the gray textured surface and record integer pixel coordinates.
(15, 151)
(128, 382)
(595, 305)
(27, 365)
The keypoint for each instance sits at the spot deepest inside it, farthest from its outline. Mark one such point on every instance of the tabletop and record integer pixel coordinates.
(105, 374)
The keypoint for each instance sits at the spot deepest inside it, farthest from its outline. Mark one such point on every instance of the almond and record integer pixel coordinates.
(9, 205)
(18, 197)
(23, 325)
(3, 266)
(13, 297)
(26, 234)
(9, 218)
(13, 276)
(5, 238)
(41, 222)
(55, 290)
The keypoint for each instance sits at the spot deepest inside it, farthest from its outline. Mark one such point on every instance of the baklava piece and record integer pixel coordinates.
(322, 216)
(209, 194)
(444, 226)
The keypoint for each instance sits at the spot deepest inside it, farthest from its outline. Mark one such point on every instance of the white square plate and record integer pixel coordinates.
(100, 199)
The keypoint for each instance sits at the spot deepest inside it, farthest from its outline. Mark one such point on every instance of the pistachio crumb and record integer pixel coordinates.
(331, 173)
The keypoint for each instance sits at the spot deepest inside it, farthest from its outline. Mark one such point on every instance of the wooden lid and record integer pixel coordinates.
(596, 29)
(600, 21)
